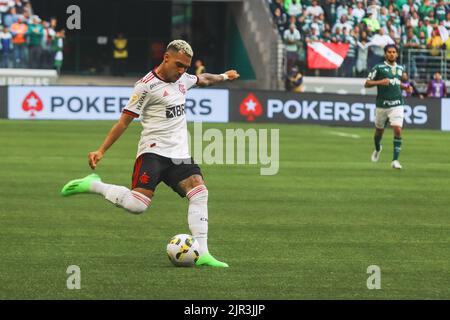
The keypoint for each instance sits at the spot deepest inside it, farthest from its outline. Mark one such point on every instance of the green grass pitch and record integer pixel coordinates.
(309, 232)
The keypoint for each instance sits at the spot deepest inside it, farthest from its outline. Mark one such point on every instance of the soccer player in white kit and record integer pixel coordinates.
(163, 153)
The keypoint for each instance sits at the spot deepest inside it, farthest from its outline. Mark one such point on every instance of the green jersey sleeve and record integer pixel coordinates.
(373, 74)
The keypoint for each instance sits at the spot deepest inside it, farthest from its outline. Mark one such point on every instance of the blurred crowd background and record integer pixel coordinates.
(419, 28)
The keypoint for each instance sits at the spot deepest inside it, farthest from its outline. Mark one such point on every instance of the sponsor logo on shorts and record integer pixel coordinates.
(144, 178)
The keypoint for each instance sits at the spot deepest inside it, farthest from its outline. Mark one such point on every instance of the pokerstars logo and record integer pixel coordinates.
(250, 107)
(32, 103)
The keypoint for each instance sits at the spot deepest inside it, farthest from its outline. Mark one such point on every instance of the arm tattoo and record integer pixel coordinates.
(208, 79)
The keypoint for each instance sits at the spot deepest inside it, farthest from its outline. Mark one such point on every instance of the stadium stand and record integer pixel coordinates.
(27, 41)
(419, 28)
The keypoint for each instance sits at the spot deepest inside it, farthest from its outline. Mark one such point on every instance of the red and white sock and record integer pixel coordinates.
(198, 216)
(132, 201)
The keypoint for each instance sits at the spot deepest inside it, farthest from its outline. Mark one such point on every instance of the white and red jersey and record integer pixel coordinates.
(161, 107)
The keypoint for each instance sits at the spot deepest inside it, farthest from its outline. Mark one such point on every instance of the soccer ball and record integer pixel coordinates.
(182, 250)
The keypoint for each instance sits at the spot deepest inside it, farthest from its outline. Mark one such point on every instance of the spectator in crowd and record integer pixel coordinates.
(295, 20)
(440, 11)
(342, 9)
(53, 24)
(411, 85)
(372, 24)
(27, 9)
(36, 36)
(6, 48)
(326, 36)
(330, 9)
(374, 9)
(384, 16)
(425, 9)
(19, 31)
(277, 4)
(314, 9)
(358, 11)
(422, 40)
(446, 22)
(436, 87)
(362, 54)
(432, 18)
(409, 7)
(435, 43)
(120, 54)
(343, 23)
(18, 5)
(10, 17)
(447, 49)
(5, 5)
(57, 48)
(392, 30)
(294, 81)
(350, 59)
(427, 27)
(280, 20)
(292, 39)
(47, 52)
(313, 35)
(27, 14)
(377, 44)
(414, 19)
(410, 41)
(294, 8)
(318, 23)
(199, 67)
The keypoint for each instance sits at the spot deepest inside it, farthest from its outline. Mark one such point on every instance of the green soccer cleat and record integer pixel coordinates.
(79, 185)
(208, 260)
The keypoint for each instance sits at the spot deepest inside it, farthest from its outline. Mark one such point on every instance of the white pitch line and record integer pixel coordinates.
(343, 134)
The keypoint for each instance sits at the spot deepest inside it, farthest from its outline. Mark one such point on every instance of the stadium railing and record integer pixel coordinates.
(421, 64)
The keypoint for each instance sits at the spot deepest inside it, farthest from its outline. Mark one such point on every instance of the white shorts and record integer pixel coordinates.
(395, 116)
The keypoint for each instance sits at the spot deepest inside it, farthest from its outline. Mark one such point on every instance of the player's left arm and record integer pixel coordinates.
(208, 79)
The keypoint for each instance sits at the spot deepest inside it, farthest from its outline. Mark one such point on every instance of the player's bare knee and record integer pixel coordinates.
(379, 131)
(191, 182)
(196, 180)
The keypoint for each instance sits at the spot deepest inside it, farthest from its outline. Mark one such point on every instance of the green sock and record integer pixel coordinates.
(397, 147)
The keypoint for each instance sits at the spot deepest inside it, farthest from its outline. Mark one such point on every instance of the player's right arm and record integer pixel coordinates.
(372, 80)
(116, 131)
(132, 110)
(374, 83)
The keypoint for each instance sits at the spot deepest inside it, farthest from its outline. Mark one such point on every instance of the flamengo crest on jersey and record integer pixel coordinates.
(161, 107)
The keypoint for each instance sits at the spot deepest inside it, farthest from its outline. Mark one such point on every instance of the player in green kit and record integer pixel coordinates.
(387, 77)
